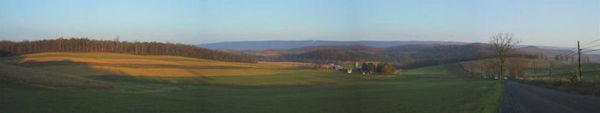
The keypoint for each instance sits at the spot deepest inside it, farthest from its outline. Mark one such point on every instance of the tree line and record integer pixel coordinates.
(405, 56)
(10, 48)
(372, 68)
(330, 55)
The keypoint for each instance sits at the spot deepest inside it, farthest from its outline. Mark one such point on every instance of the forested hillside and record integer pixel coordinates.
(9, 48)
(414, 56)
(405, 56)
(331, 55)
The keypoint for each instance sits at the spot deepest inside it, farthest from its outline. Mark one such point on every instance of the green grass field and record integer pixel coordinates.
(432, 89)
(565, 68)
(564, 79)
(591, 72)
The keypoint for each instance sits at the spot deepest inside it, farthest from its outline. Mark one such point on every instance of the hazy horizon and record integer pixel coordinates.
(536, 22)
(559, 46)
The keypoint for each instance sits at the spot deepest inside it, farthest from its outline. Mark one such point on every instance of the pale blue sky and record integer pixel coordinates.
(539, 22)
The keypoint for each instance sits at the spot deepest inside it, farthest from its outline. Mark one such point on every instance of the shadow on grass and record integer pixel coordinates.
(68, 62)
(21, 74)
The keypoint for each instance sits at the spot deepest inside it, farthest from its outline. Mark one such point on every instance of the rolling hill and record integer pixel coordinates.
(61, 82)
(396, 54)
(282, 45)
(11, 48)
(97, 64)
(414, 55)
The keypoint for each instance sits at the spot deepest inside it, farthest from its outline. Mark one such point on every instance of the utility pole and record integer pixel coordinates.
(579, 61)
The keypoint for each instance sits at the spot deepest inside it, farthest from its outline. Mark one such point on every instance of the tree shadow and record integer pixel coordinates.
(14, 69)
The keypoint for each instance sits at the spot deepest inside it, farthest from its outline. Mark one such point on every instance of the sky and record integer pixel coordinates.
(534, 22)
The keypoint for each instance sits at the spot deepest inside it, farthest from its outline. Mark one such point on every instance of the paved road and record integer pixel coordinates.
(523, 98)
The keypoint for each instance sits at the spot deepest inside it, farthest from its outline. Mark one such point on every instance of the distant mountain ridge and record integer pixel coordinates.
(280, 44)
(405, 56)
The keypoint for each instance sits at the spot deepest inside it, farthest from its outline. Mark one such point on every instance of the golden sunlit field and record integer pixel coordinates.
(88, 64)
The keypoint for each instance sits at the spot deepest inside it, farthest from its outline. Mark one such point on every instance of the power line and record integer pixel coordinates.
(590, 43)
(591, 46)
(573, 53)
(568, 53)
(590, 50)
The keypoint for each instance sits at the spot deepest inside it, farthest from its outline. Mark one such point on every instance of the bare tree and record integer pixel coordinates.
(490, 68)
(503, 44)
(518, 66)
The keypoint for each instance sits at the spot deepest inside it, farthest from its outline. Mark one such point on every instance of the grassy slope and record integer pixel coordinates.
(431, 89)
(561, 79)
(591, 71)
(49, 79)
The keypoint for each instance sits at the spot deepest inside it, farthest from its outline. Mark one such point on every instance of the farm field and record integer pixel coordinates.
(564, 68)
(564, 78)
(591, 72)
(107, 82)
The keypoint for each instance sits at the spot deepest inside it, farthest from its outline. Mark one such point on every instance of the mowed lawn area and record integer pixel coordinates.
(198, 85)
